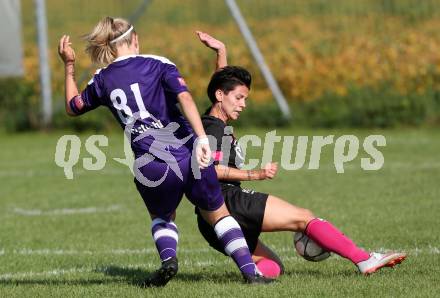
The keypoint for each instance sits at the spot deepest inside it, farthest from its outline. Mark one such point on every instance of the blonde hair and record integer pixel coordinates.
(99, 46)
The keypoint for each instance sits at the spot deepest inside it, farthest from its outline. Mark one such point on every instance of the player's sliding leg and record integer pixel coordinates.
(281, 216)
(331, 239)
(231, 237)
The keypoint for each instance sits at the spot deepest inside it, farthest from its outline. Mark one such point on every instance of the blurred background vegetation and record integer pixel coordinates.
(339, 63)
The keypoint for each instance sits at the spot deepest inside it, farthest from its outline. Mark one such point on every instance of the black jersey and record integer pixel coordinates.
(246, 206)
(227, 151)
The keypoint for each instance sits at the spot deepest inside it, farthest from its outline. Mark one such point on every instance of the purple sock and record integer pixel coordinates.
(231, 237)
(165, 236)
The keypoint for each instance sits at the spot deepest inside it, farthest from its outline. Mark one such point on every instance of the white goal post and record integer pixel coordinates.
(252, 44)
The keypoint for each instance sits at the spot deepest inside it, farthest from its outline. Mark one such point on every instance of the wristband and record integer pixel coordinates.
(203, 140)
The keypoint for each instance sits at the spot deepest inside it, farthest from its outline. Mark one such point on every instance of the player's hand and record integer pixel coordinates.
(203, 152)
(269, 171)
(65, 50)
(210, 41)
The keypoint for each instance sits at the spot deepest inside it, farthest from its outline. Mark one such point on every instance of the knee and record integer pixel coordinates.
(307, 216)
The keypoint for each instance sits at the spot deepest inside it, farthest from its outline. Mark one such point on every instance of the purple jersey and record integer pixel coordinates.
(141, 92)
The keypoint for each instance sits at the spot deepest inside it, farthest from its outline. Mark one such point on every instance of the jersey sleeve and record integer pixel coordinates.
(172, 80)
(90, 97)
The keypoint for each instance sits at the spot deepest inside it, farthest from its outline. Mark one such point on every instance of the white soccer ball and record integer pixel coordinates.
(308, 249)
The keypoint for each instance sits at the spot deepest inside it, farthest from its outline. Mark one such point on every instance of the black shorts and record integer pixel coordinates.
(247, 207)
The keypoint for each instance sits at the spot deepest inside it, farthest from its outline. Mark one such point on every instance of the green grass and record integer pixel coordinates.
(105, 253)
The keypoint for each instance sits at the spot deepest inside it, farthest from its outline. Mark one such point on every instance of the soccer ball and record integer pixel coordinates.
(308, 249)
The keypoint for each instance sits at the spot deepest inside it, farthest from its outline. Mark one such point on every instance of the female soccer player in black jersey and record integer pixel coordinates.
(257, 212)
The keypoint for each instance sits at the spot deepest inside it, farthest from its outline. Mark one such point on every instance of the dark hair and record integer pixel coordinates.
(226, 79)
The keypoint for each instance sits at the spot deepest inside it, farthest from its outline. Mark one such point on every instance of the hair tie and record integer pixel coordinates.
(122, 35)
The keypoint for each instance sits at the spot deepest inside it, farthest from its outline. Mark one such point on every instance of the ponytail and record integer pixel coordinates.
(100, 47)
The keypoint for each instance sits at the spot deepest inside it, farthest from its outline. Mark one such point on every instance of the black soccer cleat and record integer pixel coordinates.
(163, 275)
(256, 279)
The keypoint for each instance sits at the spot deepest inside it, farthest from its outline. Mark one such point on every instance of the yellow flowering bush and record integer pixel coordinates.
(310, 55)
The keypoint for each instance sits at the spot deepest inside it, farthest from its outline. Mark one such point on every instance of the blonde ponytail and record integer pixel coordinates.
(99, 46)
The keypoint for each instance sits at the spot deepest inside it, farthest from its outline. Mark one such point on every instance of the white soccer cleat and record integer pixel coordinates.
(377, 261)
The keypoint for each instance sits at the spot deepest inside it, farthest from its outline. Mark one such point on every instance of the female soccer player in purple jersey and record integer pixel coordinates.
(258, 212)
(142, 92)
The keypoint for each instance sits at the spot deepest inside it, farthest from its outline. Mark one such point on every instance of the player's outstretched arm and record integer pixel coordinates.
(215, 44)
(191, 113)
(226, 173)
(67, 54)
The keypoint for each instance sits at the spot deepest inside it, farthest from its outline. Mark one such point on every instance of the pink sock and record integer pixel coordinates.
(268, 268)
(331, 239)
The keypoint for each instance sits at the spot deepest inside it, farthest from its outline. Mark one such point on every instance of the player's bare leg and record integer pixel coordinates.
(282, 216)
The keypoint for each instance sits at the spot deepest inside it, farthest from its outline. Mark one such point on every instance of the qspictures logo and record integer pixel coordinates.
(297, 152)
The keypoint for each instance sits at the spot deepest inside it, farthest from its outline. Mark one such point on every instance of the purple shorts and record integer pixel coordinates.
(162, 200)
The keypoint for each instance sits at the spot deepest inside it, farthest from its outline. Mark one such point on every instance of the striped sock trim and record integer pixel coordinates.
(167, 249)
(252, 264)
(225, 225)
(235, 245)
(158, 220)
(165, 233)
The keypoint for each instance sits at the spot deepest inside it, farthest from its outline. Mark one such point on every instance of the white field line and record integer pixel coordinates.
(69, 252)
(66, 211)
(31, 274)
(284, 251)
(186, 263)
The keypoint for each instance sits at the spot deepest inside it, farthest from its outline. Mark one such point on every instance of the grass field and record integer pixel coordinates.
(90, 236)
